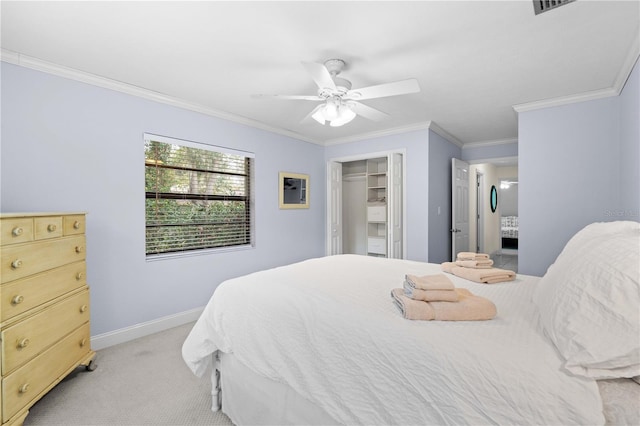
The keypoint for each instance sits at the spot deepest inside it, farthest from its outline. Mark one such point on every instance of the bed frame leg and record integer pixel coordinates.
(215, 390)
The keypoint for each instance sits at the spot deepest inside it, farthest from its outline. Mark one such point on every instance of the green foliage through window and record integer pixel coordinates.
(195, 198)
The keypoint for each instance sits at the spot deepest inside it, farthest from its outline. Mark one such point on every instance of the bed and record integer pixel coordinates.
(509, 232)
(320, 342)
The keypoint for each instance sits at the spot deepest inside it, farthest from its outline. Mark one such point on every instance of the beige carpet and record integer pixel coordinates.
(142, 382)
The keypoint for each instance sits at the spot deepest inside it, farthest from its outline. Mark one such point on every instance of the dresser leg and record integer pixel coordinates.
(90, 362)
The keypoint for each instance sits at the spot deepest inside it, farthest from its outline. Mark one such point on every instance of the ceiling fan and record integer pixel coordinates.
(340, 104)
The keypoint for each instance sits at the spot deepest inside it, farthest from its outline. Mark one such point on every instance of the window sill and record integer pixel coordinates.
(191, 253)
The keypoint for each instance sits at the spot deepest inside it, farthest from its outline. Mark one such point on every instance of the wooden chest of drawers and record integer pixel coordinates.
(44, 307)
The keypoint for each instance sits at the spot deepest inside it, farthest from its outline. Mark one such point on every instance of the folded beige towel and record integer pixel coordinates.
(476, 264)
(448, 266)
(469, 255)
(430, 282)
(468, 308)
(486, 276)
(429, 295)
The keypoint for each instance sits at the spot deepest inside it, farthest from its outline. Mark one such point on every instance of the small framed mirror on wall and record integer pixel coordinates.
(294, 190)
(493, 198)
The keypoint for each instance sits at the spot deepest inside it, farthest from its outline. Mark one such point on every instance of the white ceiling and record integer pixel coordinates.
(474, 60)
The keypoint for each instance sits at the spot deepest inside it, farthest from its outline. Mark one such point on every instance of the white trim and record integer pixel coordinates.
(148, 137)
(615, 90)
(379, 133)
(95, 80)
(395, 131)
(566, 100)
(496, 161)
(627, 66)
(143, 329)
(482, 144)
(439, 130)
(366, 156)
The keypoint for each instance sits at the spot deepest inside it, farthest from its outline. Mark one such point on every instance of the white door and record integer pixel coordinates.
(459, 207)
(334, 207)
(479, 212)
(395, 206)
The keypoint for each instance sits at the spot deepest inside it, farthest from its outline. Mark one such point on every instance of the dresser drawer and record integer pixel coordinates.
(16, 230)
(47, 227)
(22, 260)
(74, 224)
(24, 385)
(26, 339)
(21, 295)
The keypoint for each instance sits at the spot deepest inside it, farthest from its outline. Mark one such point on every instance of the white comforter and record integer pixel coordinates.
(328, 328)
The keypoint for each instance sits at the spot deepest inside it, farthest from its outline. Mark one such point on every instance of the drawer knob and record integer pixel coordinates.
(17, 300)
(83, 342)
(79, 276)
(83, 309)
(76, 225)
(79, 249)
(24, 388)
(16, 264)
(23, 343)
(17, 231)
(51, 228)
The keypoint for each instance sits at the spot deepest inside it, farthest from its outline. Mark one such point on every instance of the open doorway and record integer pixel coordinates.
(487, 229)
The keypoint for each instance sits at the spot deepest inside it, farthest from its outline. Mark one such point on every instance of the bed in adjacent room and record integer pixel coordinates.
(509, 232)
(320, 342)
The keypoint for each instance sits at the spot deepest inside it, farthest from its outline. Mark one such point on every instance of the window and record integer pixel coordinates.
(196, 196)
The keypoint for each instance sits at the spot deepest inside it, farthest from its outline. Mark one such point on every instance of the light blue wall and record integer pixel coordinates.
(578, 164)
(416, 146)
(471, 153)
(441, 151)
(630, 148)
(72, 146)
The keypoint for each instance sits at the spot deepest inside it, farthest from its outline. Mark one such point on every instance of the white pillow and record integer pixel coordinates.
(589, 301)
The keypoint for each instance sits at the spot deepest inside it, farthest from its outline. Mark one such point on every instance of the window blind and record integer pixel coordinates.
(196, 196)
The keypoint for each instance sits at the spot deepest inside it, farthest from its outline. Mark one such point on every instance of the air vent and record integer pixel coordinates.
(540, 6)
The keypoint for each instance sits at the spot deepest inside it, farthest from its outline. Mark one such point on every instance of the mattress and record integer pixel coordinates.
(327, 329)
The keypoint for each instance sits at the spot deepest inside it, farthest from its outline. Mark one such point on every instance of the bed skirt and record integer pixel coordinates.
(250, 399)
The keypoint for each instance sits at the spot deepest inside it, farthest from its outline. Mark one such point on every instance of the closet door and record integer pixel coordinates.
(334, 245)
(395, 204)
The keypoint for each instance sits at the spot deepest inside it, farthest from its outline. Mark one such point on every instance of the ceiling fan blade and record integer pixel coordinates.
(402, 87)
(369, 113)
(320, 75)
(288, 97)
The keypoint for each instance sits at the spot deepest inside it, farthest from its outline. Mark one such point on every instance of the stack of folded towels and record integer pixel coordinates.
(434, 297)
(477, 267)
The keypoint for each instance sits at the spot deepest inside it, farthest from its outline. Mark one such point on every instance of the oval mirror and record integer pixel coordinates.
(494, 198)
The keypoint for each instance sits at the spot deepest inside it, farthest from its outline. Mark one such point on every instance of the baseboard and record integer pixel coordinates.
(509, 251)
(127, 334)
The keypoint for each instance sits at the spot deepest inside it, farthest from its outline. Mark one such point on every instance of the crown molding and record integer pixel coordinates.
(95, 80)
(566, 100)
(629, 63)
(482, 144)
(615, 90)
(378, 133)
(448, 136)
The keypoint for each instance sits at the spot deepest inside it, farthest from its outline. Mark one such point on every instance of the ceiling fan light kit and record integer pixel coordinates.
(340, 105)
(335, 111)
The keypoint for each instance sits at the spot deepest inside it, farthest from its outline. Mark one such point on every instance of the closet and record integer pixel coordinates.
(364, 220)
